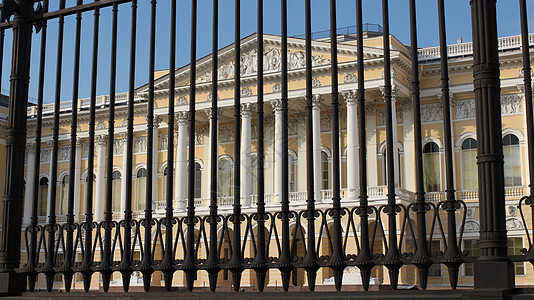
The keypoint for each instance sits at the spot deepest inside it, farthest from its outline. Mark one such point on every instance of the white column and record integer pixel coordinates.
(316, 121)
(50, 183)
(372, 157)
(396, 162)
(157, 121)
(246, 177)
(77, 179)
(277, 107)
(100, 178)
(269, 157)
(521, 88)
(207, 153)
(409, 146)
(30, 173)
(124, 140)
(301, 161)
(352, 145)
(180, 176)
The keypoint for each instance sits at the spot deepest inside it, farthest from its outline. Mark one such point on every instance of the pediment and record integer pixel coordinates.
(272, 60)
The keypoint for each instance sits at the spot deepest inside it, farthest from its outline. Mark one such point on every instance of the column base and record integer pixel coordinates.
(12, 284)
(494, 274)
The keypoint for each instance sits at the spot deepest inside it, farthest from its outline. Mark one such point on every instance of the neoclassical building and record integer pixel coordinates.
(463, 131)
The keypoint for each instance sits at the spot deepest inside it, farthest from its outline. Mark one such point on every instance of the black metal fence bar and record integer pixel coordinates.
(212, 264)
(452, 256)
(422, 259)
(190, 260)
(486, 81)
(193, 242)
(392, 259)
(364, 257)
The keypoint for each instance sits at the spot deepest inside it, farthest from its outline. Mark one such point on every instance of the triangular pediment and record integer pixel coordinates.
(272, 60)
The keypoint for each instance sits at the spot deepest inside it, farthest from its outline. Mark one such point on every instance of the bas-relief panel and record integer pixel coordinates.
(382, 115)
(465, 109)
(118, 147)
(64, 153)
(140, 144)
(271, 62)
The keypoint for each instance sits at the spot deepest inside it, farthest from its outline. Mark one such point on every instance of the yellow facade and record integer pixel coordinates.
(463, 128)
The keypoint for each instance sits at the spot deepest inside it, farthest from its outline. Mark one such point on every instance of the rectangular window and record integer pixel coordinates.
(473, 248)
(514, 248)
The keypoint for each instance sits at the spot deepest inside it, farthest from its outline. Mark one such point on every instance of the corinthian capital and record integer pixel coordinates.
(316, 100)
(350, 96)
(101, 140)
(277, 105)
(246, 109)
(181, 117)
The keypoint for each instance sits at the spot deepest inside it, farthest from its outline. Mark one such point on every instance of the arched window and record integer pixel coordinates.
(512, 160)
(43, 195)
(116, 191)
(431, 169)
(140, 191)
(469, 165)
(226, 178)
(64, 195)
(325, 171)
(292, 171)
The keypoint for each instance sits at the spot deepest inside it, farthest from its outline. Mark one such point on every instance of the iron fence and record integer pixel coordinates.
(193, 243)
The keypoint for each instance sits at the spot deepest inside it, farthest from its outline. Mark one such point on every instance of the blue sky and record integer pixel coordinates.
(457, 17)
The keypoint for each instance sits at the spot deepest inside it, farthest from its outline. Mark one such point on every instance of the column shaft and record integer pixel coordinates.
(77, 180)
(246, 110)
(352, 145)
(155, 197)
(124, 138)
(277, 107)
(317, 174)
(100, 178)
(180, 176)
(28, 194)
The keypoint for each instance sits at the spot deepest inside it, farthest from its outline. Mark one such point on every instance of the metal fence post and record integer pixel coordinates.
(11, 283)
(493, 269)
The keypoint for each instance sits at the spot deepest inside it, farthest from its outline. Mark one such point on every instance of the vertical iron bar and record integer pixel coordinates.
(310, 260)
(421, 258)
(235, 263)
(392, 259)
(190, 266)
(527, 86)
(337, 258)
(451, 257)
(285, 259)
(146, 263)
(48, 268)
(87, 262)
(260, 261)
(493, 263)
(363, 260)
(105, 265)
(15, 146)
(212, 264)
(167, 265)
(69, 227)
(125, 266)
(32, 252)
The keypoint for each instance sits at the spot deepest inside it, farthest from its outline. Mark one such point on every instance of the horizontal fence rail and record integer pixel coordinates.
(225, 223)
